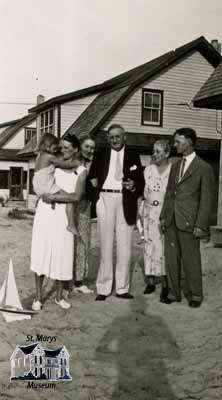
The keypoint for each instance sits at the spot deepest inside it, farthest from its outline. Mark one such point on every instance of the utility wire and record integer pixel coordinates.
(183, 104)
(14, 103)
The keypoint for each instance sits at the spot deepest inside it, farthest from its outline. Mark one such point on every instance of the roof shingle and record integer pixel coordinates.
(95, 113)
(140, 73)
(118, 88)
(9, 132)
(210, 94)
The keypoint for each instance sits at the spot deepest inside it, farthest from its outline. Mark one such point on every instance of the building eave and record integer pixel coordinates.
(212, 103)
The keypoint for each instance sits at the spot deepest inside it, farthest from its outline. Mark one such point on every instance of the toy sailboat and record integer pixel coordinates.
(10, 304)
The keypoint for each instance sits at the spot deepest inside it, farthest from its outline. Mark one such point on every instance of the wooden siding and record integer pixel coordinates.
(180, 83)
(18, 141)
(72, 110)
(6, 165)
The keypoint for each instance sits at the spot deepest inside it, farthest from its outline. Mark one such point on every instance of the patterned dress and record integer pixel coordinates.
(82, 246)
(154, 192)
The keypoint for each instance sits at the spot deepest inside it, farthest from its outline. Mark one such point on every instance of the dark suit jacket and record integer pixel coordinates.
(100, 167)
(189, 201)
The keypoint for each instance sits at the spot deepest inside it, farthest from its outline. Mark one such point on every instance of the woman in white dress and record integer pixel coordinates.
(52, 244)
(156, 179)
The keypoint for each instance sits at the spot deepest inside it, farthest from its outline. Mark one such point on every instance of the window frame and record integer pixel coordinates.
(4, 179)
(34, 133)
(150, 123)
(31, 175)
(48, 126)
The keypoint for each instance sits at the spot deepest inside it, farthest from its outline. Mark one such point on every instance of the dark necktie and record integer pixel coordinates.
(182, 166)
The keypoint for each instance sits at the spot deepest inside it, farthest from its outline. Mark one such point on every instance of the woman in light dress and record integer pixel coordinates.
(52, 250)
(156, 179)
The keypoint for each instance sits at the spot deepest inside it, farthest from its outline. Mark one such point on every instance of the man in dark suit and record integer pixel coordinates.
(117, 173)
(186, 217)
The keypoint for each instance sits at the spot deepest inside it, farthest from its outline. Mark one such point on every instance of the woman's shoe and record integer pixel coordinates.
(36, 305)
(149, 289)
(63, 304)
(163, 295)
(83, 289)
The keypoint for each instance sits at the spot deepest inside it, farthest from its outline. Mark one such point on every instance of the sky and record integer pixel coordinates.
(53, 47)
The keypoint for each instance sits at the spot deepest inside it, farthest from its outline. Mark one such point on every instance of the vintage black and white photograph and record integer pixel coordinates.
(110, 200)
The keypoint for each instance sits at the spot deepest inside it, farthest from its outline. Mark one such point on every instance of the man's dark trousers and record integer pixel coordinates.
(182, 247)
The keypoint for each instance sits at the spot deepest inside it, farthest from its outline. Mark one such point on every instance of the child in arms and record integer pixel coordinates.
(44, 179)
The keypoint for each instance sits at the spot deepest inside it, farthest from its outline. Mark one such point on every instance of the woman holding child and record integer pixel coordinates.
(52, 250)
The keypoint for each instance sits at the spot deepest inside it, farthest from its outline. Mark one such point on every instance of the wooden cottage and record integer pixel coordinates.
(210, 97)
(34, 362)
(14, 135)
(151, 101)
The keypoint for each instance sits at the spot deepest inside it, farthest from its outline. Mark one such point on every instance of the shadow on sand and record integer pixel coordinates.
(140, 347)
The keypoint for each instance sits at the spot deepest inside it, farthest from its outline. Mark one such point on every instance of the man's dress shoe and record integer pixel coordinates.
(125, 296)
(163, 295)
(194, 304)
(149, 289)
(169, 301)
(100, 297)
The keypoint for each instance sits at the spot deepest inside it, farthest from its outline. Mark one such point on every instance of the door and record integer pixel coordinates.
(16, 183)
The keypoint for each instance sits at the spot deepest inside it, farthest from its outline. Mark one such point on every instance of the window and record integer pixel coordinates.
(47, 122)
(25, 180)
(4, 179)
(29, 134)
(31, 174)
(152, 107)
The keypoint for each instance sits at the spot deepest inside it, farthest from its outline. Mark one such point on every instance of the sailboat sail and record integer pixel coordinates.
(12, 297)
(2, 292)
(10, 304)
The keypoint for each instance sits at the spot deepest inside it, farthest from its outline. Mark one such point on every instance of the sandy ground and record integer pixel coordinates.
(120, 349)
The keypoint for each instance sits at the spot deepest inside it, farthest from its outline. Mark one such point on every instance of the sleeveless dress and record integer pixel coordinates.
(154, 192)
(52, 249)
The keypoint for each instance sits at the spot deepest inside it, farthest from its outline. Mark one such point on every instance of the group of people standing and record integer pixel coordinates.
(175, 213)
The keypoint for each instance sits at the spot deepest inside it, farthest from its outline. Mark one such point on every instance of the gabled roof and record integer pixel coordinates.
(28, 349)
(141, 73)
(9, 132)
(117, 89)
(53, 353)
(97, 112)
(10, 155)
(210, 94)
(9, 123)
(67, 97)
(147, 70)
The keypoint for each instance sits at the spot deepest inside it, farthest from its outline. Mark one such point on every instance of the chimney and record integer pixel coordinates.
(216, 45)
(40, 99)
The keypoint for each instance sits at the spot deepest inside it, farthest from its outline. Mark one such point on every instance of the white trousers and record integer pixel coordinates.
(110, 220)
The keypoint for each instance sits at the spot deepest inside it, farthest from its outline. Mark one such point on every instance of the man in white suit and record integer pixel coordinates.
(120, 182)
